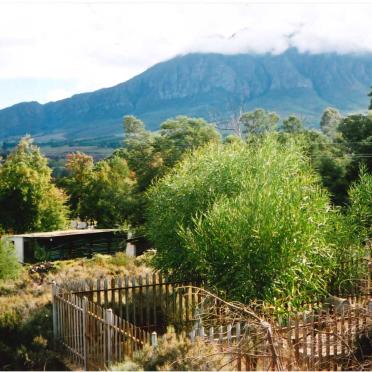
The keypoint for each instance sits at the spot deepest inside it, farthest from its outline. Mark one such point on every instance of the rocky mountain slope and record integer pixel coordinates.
(208, 85)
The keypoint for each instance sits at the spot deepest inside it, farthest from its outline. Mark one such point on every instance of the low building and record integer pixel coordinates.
(67, 244)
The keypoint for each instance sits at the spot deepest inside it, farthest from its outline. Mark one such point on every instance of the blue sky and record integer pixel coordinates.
(52, 49)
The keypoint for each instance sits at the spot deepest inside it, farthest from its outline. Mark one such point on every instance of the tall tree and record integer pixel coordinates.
(259, 122)
(29, 201)
(108, 193)
(292, 124)
(140, 151)
(183, 134)
(330, 121)
(80, 168)
(370, 103)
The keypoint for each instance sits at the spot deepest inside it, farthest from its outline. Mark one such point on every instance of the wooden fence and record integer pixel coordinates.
(151, 302)
(100, 322)
(93, 337)
(314, 340)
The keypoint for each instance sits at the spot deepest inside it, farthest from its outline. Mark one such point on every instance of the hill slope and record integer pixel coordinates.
(207, 85)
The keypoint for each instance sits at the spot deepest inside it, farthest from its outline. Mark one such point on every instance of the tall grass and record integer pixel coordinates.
(252, 219)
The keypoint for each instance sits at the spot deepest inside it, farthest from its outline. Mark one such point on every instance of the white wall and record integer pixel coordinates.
(18, 244)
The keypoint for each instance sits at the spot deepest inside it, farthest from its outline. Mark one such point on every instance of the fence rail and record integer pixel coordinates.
(101, 322)
(92, 336)
(149, 301)
(316, 340)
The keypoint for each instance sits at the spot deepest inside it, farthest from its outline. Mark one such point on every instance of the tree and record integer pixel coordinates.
(80, 168)
(330, 121)
(356, 136)
(331, 162)
(259, 122)
(251, 220)
(151, 155)
(370, 103)
(140, 152)
(29, 201)
(182, 134)
(292, 125)
(108, 194)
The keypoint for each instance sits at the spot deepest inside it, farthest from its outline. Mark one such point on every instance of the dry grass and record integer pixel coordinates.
(25, 310)
(30, 291)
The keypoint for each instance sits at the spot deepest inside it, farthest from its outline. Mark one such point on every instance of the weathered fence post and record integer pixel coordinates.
(110, 322)
(154, 340)
(54, 309)
(85, 318)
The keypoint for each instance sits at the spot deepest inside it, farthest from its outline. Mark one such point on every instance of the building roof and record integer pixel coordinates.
(53, 234)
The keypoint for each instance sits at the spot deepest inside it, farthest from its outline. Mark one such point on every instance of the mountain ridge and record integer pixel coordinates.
(209, 85)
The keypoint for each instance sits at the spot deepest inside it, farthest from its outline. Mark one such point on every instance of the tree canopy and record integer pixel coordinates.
(29, 201)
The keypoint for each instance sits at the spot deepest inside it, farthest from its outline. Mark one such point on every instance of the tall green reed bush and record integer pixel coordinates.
(252, 219)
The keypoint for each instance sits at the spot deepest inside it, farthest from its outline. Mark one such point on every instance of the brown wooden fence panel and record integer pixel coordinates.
(99, 323)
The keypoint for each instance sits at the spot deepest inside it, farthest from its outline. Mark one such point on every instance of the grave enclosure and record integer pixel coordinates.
(104, 322)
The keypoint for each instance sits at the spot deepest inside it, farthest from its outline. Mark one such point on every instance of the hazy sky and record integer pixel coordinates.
(52, 49)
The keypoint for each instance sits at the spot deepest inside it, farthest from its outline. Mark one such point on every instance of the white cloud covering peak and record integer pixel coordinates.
(88, 45)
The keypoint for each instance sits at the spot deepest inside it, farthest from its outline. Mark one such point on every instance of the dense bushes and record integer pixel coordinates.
(251, 219)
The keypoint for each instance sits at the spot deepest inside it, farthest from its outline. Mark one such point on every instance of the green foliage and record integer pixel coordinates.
(330, 121)
(26, 344)
(258, 122)
(80, 168)
(150, 155)
(330, 161)
(356, 132)
(107, 195)
(182, 134)
(292, 125)
(140, 152)
(40, 253)
(360, 209)
(29, 201)
(9, 265)
(250, 219)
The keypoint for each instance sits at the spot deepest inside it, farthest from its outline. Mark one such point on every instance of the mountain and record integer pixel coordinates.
(207, 85)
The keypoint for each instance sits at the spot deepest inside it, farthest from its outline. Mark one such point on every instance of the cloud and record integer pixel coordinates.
(103, 43)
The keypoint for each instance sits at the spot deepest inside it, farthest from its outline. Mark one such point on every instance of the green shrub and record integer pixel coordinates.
(252, 220)
(351, 234)
(360, 210)
(9, 265)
